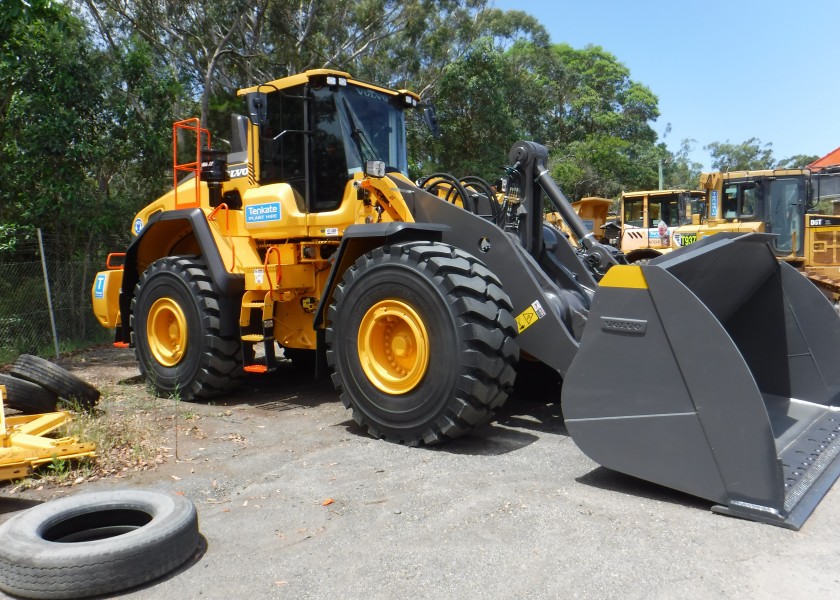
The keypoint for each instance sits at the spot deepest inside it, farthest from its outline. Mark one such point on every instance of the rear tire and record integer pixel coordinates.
(420, 342)
(59, 381)
(176, 326)
(27, 397)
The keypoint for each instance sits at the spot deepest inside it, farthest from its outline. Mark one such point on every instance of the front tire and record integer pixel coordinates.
(176, 321)
(420, 342)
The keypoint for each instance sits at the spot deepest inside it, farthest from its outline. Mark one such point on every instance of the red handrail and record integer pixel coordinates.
(192, 125)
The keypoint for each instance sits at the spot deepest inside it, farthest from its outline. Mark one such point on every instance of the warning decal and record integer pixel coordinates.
(529, 316)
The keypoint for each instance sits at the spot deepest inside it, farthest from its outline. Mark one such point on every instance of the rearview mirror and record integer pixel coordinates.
(257, 108)
(430, 118)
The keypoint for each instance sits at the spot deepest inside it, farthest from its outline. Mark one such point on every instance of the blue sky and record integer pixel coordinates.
(721, 70)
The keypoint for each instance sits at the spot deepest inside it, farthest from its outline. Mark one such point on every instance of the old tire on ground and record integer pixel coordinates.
(27, 397)
(420, 342)
(176, 323)
(59, 381)
(96, 543)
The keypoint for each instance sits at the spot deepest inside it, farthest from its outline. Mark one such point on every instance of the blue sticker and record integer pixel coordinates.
(714, 203)
(261, 213)
(138, 225)
(99, 287)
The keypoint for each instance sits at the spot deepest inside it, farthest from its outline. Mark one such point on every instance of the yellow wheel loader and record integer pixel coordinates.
(309, 235)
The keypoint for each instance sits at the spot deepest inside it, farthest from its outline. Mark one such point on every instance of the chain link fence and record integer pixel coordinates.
(25, 315)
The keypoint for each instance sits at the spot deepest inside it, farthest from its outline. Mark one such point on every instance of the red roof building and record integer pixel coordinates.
(829, 160)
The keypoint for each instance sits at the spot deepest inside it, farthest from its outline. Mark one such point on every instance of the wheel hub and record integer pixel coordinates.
(166, 331)
(393, 347)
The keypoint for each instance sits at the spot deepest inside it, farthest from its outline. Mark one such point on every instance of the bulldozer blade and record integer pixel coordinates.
(724, 379)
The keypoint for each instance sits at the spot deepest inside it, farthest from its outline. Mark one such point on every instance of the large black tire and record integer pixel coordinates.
(59, 381)
(176, 327)
(420, 342)
(27, 397)
(96, 543)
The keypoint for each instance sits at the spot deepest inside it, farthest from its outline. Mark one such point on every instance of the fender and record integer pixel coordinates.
(173, 233)
(359, 239)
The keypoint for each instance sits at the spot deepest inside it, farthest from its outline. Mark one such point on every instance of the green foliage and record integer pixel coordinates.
(83, 133)
(478, 126)
(679, 170)
(750, 155)
(594, 119)
(798, 161)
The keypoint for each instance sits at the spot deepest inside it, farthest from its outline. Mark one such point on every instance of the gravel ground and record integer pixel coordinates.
(295, 502)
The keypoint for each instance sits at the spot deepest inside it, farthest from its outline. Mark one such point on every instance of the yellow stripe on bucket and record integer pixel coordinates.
(624, 276)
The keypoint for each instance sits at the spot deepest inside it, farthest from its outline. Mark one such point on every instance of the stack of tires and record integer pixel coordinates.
(35, 385)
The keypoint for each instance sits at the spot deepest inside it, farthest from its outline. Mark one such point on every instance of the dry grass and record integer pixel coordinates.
(132, 430)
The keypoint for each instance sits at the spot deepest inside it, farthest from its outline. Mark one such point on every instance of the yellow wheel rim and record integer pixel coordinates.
(393, 347)
(166, 330)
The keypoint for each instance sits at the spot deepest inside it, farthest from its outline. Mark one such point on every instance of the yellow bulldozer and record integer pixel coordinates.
(310, 237)
(795, 205)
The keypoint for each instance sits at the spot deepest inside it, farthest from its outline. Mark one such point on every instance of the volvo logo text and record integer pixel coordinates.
(623, 325)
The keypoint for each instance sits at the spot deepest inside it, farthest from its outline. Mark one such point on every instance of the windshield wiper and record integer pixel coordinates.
(366, 148)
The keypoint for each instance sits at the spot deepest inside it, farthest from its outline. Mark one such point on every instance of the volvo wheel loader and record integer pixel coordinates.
(712, 370)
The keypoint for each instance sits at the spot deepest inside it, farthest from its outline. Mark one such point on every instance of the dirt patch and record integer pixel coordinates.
(134, 431)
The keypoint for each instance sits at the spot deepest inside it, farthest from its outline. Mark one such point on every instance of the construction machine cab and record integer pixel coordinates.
(317, 133)
(772, 201)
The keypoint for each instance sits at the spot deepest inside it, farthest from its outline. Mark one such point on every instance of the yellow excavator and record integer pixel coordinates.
(309, 236)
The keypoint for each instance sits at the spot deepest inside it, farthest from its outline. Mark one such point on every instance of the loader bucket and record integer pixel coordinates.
(714, 370)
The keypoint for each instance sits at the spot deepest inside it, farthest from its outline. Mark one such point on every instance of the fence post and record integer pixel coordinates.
(49, 295)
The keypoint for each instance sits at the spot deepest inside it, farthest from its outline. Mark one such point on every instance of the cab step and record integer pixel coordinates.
(266, 363)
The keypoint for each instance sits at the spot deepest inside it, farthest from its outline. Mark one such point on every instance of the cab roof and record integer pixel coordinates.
(307, 76)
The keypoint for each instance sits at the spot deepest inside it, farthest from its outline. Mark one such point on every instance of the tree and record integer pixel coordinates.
(80, 130)
(229, 44)
(797, 161)
(749, 155)
(679, 170)
(477, 126)
(603, 141)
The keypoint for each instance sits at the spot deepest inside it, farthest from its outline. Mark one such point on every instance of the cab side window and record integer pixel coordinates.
(748, 199)
(730, 202)
(282, 146)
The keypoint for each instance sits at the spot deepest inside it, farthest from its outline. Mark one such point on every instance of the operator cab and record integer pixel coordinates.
(777, 199)
(320, 130)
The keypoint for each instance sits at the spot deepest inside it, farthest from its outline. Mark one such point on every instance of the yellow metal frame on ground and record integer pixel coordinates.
(24, 447)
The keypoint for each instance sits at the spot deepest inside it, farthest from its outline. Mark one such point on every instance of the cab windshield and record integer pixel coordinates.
(334, 130)
(374, 129)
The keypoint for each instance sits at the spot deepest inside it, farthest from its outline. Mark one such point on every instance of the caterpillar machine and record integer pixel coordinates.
(711, 370)
(793, 204)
